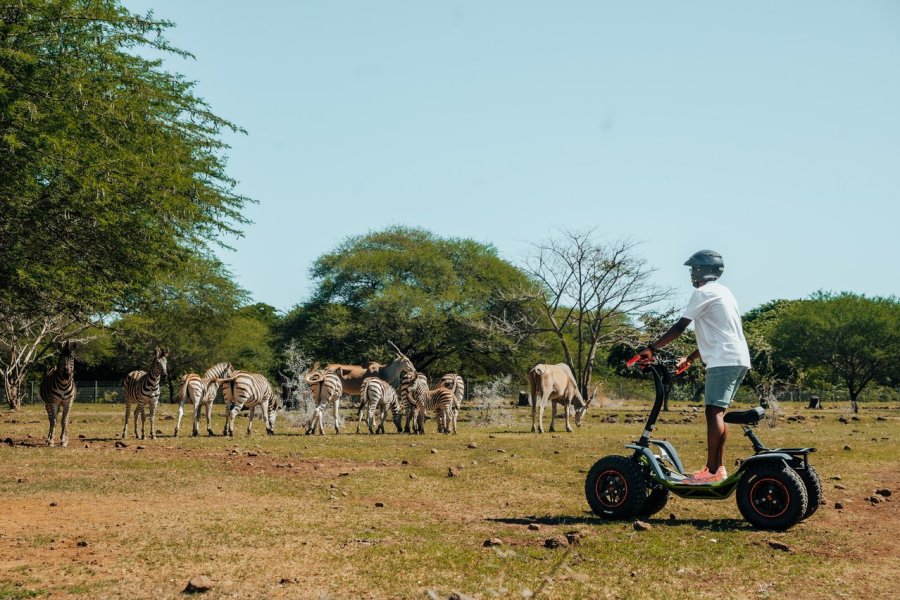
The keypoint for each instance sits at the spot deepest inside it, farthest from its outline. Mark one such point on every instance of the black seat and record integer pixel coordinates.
(745, 417)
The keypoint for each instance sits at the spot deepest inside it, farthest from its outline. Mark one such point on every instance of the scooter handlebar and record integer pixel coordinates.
(633, 360)
(637, 358)
(684, 367)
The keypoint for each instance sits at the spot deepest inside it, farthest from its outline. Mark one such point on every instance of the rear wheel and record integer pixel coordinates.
(772, 496)
(615, 488)
(813, 490)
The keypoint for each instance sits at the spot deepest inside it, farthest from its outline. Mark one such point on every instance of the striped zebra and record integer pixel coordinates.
(326, 388)
(141, 389)
(438, 400)
(454, 383)
(379, 397)
(58, 391)
(248, 390)
(407, 403)
(200, 392)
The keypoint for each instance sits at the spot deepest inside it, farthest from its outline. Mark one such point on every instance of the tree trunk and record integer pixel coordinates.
(13, 398)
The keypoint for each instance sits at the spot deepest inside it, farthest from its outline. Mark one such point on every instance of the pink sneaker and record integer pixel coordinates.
(704, 476)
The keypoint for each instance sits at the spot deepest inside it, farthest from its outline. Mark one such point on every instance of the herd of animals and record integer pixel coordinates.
(396, 390)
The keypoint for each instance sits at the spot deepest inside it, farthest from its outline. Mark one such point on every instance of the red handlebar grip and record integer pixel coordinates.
(684, 367)
(633, 360)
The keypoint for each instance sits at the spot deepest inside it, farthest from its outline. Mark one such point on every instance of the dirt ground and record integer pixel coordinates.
(360, 516)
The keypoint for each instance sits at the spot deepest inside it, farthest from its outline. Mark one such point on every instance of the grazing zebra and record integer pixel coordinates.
(141, 389)
(455, 383)
(58, 391)
(326, 388)
(379, 397)
(407, 402)
(248, 390)
(438, 400)
(200, 392)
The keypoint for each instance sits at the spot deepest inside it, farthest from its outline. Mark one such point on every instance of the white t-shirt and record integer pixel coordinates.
(717, 323)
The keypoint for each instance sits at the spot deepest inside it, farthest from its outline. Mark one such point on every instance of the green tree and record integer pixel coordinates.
(769, 369)
(112, 172)
(445, 302)
(856, 338)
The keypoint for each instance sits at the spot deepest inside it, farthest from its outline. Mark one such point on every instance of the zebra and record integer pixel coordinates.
(200, 392)
(439, 400)
(455, 383)
(58, 391)
(379, 397)
(141, 389)
(407, 402)
(248, 390)
(326, 388)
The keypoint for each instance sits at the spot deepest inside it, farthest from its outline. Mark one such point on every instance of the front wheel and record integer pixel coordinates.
(615, 488)
(656, 500)
(772, 496)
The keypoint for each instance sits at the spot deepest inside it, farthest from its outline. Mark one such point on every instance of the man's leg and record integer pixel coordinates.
(716, 436)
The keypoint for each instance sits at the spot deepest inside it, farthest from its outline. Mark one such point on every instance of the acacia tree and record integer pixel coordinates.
(856, 338)
(442, 301)
(112, 172)
(589, 292)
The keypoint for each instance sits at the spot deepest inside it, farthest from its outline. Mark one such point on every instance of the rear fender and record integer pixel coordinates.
(758, 459)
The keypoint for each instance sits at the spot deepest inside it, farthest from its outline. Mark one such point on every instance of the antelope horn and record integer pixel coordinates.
(397, 349)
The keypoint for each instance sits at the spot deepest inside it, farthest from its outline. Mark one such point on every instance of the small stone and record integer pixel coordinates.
(836, 478)
(843, 419)
(20, 480)
(81, 436)
(140, 447)
(9, 442)
(379, 505)
(671, 516)
(875, 499)
(642, 526)
(558, 541)
(413, 476)
(556, 452)
(883, 492)
(198, 584)
(82, 544)
(249, 464)
(880, 418)
(252, 454)
(434, 450)
(848, 448)
(838, 505)
(472, 445)
(838, 486)
(344, 474)
(779, 546)
(854, 418)
(501, 450)
(288, 580)
(54, 504)
(120, 444)
(574, 537)
(452, 472)
(490, 543)
(534, 527)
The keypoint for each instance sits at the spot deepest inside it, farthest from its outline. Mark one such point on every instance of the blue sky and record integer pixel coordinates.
(769, 131)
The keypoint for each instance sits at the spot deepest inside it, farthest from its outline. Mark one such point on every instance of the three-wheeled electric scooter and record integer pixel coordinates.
(776, 487)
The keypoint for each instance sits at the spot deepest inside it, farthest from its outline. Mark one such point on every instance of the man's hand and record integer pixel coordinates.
(684, 363)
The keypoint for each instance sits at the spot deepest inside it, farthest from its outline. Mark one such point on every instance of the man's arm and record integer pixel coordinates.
(667, 338)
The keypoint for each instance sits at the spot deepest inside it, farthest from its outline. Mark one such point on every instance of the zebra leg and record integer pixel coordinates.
(51, 414)
(398, 420)
(138, 408)
(195, 430)
(363, 406)
(153, 405)
(125, 428)
(180, 414)
(420, 422)
(265, 417)
(455, 414)
(229, 425)
(337, 416)
(250, 420)
(209, 430)
(64, 434)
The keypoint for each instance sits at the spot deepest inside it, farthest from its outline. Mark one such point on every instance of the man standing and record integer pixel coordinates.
(721, 346)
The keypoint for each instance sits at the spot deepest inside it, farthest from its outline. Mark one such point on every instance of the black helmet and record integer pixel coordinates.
(706, 265)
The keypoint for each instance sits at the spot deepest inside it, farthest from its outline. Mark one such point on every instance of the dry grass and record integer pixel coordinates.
(296, 516)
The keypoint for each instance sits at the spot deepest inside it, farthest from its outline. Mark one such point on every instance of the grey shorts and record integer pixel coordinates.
(722, 385)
